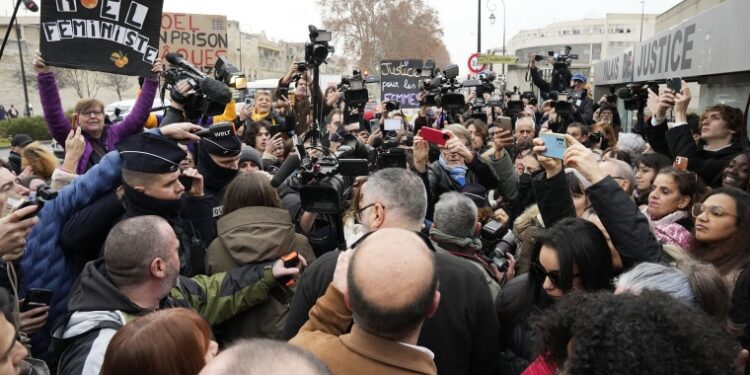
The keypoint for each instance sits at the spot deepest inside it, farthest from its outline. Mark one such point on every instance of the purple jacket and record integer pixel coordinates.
(59, 126)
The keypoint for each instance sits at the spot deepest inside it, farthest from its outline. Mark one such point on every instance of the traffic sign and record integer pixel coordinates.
(473, 64)
(497, 59)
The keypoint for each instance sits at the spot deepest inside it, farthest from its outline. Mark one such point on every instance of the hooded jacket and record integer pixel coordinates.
(98, 309)
(59, 126)
(249, 235)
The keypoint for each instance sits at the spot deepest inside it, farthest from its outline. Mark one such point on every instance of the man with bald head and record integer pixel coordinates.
(464, 333)
(387, 316)
(262, 357)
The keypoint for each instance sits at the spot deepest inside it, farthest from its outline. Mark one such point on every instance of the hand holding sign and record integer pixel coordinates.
(39, 65)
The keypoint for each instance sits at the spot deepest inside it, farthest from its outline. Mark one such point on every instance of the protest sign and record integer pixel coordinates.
(398, 81)
(114, 36)
(200, 38)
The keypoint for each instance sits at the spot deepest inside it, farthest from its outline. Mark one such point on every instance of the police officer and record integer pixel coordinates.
(218, 158)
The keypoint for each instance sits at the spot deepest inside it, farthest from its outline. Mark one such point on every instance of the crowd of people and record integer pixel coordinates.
(187, 248)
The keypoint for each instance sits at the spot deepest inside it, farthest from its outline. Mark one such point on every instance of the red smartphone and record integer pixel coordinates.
(434, 136)
(680, 163)
(290, 260)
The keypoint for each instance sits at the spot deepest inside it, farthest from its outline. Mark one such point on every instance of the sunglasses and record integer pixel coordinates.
(553, 276)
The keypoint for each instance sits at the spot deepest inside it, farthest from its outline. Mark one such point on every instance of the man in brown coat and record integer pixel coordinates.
(388, 289)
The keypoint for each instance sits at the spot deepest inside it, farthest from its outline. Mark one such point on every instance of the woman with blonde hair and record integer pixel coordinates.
(42, 162)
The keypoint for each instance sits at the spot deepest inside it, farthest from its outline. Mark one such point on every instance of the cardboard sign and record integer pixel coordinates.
(114, 36)
(399, 80)
(200, 38)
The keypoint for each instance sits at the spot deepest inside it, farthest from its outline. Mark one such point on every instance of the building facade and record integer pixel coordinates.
(590, 39)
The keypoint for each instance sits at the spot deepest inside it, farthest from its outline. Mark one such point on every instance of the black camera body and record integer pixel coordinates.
(226, 72)
(498, 242)
(318, 49)
(211, 96)
(354, 89)
(44, 193)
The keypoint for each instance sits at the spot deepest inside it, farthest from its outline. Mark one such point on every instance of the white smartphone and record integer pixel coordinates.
(392, 124)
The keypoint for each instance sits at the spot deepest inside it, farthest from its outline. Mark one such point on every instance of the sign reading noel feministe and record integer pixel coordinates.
(114, 36)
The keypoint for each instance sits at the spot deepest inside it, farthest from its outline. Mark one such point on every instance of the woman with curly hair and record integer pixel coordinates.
(602, 333)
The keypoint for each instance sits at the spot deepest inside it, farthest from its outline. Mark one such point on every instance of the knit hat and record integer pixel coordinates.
(252, 155)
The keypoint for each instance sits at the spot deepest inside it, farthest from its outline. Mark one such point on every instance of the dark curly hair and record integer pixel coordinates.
(602, 333)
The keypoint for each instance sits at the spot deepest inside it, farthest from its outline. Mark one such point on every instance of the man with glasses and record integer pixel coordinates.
(464, 332)
(89, 115)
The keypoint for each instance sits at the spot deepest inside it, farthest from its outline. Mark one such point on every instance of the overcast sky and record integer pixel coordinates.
(288, 19)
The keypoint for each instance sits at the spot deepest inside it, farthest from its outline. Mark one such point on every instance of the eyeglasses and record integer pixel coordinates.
(714, 212)
(358, 213)
(92, 113)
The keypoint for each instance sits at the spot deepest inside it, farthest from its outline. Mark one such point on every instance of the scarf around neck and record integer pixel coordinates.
(255, 116)
(457, 174)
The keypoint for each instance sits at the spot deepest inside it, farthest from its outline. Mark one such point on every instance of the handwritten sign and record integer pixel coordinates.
(398, 81)
(200, 38)
(114, 36)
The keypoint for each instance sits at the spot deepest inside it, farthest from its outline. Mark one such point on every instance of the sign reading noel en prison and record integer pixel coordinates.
(115, 36)
(200, 38)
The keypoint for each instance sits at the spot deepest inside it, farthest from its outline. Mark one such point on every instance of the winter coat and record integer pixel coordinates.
(59, 126)
(98, 309)
(439, 181)
(528, 226)
(256, 234)
(678, 141)
(44, 265)
(463, 333)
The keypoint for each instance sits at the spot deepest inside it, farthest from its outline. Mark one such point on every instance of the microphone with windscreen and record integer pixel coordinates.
(290, 165)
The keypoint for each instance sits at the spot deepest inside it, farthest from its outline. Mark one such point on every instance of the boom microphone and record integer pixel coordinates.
(290, 165)
(215, 91)
(177, 59)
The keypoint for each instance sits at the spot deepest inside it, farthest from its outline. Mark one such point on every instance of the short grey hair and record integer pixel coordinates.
(130, 247)
(455, 215)
(624, 171)
(632, 143)
(399, 190)
(653, 276)
(526, 117)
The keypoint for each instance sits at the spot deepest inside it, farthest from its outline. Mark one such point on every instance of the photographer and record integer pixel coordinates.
(301, 99)
(455, 231)
(559, 82)
(583, 105)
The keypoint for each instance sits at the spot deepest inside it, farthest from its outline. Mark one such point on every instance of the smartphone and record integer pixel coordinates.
(27, 203)
(434, 136)
(503, 123)
(556, 145)
(392, 124)
(250, 101)
(674, 84)
(291, 96)
(290, 260)
(36, 298)
(680, 163)
(283, 92)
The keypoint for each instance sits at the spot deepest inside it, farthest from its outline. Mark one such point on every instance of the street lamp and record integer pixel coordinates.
(479, 20)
